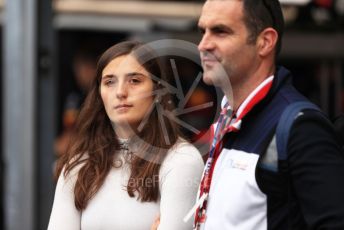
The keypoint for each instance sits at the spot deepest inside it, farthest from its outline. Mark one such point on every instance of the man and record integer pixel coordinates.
(242, 38)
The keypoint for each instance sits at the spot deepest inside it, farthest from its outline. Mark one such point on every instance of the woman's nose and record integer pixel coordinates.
(122, 90)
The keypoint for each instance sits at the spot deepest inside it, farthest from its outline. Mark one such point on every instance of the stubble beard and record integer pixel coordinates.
(219, 76)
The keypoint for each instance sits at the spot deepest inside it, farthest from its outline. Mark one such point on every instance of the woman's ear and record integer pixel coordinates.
(267, 41)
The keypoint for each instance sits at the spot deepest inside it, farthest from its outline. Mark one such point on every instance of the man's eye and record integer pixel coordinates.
(201, 30)
(219, 31)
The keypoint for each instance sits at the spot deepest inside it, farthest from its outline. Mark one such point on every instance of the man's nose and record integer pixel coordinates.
(206, 44)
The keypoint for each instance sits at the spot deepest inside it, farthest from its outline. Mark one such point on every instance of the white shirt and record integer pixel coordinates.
(112, 208)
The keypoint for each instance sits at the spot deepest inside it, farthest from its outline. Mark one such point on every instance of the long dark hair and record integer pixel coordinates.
(95, 145)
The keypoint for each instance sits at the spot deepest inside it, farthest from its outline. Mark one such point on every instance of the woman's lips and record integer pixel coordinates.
(123, 107)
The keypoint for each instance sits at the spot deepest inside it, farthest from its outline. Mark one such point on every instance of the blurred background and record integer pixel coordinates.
(48, 55)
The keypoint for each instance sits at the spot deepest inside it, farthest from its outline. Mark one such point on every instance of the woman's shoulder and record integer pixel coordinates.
(184, 152)
(182, 165)
(72, 173)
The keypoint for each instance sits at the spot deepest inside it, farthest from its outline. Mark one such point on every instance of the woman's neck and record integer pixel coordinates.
(124, 132)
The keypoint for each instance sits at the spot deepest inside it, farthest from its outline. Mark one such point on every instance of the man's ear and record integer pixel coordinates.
(267, 41)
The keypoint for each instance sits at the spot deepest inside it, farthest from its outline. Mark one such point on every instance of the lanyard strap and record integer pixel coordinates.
(225, 118)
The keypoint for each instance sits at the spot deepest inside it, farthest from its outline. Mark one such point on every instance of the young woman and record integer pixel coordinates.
(127, 164)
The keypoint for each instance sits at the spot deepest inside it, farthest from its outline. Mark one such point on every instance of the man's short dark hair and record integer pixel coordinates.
(261, 14)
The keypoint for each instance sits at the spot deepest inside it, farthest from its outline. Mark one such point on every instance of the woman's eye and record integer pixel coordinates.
(134, 81)
(109, 82)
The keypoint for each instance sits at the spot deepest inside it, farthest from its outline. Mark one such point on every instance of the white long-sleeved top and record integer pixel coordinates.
(112, 208)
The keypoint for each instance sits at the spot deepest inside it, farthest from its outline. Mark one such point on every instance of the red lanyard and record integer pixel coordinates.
(215, 151)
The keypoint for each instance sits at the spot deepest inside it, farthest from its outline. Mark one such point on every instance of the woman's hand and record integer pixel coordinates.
(156, 223)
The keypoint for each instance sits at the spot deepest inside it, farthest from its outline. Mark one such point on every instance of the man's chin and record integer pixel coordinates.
(207, 79)
(214, 80)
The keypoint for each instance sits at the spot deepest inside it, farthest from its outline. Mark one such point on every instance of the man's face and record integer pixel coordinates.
(224, 43)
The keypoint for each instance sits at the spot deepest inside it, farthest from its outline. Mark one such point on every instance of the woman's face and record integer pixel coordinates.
(127, 91)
